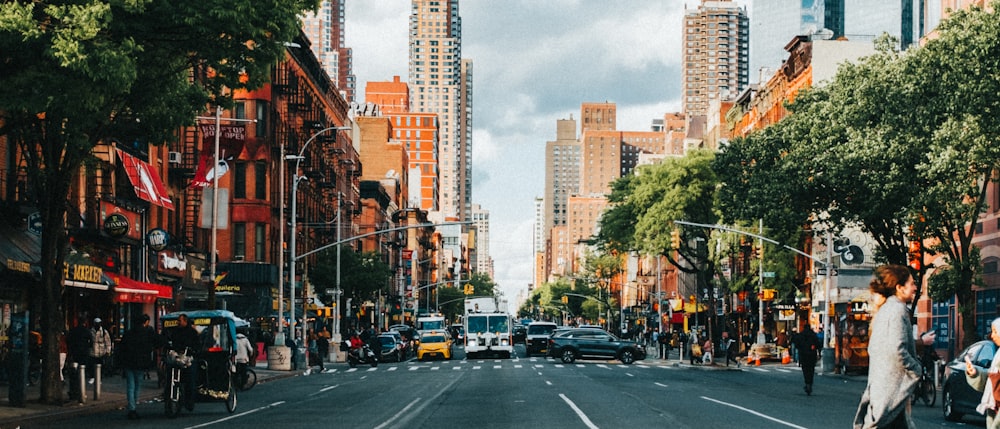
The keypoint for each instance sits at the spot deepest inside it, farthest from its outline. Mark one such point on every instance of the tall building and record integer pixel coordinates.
(562, 173)
(437, 79)
(481, 260)
(716, 54)
(325, 30)
(465, 139)
(390, 97)
(865, 20)
(774, 22)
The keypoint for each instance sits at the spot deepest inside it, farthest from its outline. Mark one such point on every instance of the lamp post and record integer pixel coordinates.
(291, 265)
(216, 172)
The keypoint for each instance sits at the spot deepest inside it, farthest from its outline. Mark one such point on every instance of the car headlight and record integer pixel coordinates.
(504, 342)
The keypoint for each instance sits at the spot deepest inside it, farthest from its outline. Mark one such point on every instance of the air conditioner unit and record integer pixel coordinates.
(174, 157)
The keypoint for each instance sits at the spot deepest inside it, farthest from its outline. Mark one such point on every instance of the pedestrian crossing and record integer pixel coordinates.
(538, 364)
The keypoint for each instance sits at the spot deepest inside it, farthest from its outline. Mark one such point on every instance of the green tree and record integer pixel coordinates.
(75, 74)
(954, 86)
(363, 275)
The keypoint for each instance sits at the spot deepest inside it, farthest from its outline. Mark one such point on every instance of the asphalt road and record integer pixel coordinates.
(527, 392)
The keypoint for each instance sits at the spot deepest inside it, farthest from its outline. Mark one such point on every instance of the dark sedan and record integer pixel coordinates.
(958, 398)
(589, 343)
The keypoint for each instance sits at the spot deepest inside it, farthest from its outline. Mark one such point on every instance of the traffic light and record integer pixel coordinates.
(565, 299)
(916, 254)
(469, 289)
(675, 239)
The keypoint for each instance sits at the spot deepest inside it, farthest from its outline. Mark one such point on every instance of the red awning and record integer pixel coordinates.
(129, 290)
(147, 183)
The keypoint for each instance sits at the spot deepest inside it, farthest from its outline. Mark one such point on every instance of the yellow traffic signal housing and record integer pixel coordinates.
(675, 239)
(565, 299)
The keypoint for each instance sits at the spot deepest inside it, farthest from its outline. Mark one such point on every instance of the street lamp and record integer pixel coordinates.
(291, 266)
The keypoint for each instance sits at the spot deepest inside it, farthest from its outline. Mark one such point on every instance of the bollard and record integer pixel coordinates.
(81, 382)
(97, 382)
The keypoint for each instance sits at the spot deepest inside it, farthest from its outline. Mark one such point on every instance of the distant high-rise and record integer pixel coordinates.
(562, 172)
(864, 19)
(716, 54)
(774, 23)
(325, 30)
(481, 262)
(438, 81)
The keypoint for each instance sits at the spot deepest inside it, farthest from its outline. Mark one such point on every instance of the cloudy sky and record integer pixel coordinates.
(534, 62)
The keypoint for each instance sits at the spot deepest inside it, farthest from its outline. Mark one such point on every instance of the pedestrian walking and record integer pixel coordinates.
(100, 351)
(894, 368)
(988, 382)
(136, 354)
(728, 348)
(663, 344)
(695, 347)
(244, 354)
(708, 352)
(809, 344)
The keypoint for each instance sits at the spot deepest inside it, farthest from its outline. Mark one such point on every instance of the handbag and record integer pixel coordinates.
(695, 350)
(995, 380)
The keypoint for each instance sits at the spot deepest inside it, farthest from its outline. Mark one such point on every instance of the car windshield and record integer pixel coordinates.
(498, 323)
(541, 329)
(477, 323)
(386, 341)
(433, 339)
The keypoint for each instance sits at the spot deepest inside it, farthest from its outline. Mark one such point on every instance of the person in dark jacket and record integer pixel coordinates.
(136, 354)
(809, 346)
(185, 338)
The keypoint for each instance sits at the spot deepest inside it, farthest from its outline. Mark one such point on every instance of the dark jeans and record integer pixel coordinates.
(808, 370)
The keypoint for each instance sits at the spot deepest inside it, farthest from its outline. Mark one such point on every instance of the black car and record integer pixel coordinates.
(537, 338)
(391, 349)
(957, 397)
(519, 333)
(583, 343)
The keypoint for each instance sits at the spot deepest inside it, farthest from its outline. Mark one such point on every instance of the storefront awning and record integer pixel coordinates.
(129, 290)
(81, 272)
(19, 251)
(147, 183)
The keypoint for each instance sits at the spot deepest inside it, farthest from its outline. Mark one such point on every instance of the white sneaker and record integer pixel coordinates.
(91, 381)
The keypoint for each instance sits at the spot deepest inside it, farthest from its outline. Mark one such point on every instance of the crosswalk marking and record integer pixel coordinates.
(555, 364)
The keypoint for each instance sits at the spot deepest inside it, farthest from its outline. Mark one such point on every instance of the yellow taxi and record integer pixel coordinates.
(434, 344)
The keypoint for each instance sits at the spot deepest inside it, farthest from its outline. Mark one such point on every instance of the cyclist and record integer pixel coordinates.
(244, 351)
(184, 339)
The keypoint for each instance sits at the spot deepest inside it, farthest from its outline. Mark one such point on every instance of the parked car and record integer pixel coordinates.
(392, 348)
(436, 343)
(537, 337)
(402, 341)
(407, 332)
(519, 333)
(957, 397)
(588, 343)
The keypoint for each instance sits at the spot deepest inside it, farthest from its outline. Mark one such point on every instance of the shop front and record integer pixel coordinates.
(88, 292)
(853, 334)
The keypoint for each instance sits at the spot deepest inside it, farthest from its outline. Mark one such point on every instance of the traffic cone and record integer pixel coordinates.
(757, 362)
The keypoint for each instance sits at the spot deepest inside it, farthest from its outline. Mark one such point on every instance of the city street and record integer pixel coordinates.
(504, 393)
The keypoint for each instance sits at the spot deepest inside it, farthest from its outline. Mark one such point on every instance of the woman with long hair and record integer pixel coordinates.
(893, 366)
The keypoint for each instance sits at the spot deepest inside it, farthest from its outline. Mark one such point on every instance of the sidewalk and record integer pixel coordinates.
(112, 398)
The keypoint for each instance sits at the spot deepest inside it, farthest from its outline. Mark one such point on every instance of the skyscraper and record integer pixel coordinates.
(716, 54)
(901, 19)
(440, 83)
(325, 30)
(774, 23)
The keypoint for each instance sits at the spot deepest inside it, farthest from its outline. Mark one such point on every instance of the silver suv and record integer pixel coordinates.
(537, 337)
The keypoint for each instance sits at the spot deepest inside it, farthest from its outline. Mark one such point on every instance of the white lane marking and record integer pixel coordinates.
(579, 412)
(792, 425)
(547, 382)
(761, 370)
(629, 374)
(601, 365)
(435, 368)
(476, 367)
(414, 368)
(275, 404)
(372, 369)
(517, 366)
(328, 388)
(782, 370)
(660, 384)
(456, 368)
(497, 366)
(352, 370)
(396, 416)
(393, 368)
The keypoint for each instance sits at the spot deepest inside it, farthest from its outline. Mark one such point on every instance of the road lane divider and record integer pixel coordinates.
(397, 415)
(271, 405)
(579, 412)
(756, 413)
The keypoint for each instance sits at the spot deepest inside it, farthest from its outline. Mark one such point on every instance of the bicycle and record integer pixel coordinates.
(925, 390)
(247, 377)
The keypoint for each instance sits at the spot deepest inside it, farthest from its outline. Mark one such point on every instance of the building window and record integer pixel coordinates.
(260, 181)
(261, 119)
(240, 180)
(239, 241)
(259, 237)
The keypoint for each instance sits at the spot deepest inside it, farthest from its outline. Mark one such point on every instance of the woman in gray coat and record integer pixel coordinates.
(982, 382)
(893, 366)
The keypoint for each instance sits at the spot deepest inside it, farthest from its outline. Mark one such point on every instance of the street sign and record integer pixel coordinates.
(768, 274)
(35, 223)
(331, 291)
(822, 271)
